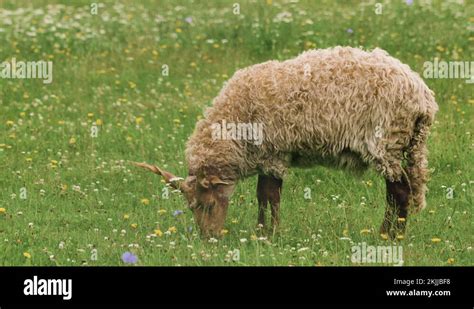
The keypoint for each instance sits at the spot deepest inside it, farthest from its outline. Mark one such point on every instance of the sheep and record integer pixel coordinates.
(341, 107)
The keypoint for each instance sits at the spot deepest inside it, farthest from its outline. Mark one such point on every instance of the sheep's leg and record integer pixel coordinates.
(269, 190)
(262, 199)
(398, 198)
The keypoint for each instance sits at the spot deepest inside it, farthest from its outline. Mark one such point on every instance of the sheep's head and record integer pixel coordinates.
(207, 196)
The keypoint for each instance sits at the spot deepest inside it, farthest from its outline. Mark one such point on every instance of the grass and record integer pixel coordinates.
(83, 198)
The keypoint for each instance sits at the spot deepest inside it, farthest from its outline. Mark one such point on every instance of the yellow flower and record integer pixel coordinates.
(10, 123)
(29, 159)
(216, 45)
(2, 210)
(22, 114)
(63, 187)
(138, 120)
(132, 85)
(178, 30)
(162, 211)
(27, 255)
(61, 122)
(158, 233)
(401, 219)
(435, 240)
(134, 225)
(54, 162)
(90, 114)
(345, 232)
(172, 229)
(145, 201)
(450, 261)
(72, 141)
(384, 236)
(400, 237)
(253, 237)
(235, 221)
(365, 231)
(126, 216)
(224, 232)
(99, 122)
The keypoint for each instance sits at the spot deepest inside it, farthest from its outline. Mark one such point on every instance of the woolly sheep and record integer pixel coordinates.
(341, 107)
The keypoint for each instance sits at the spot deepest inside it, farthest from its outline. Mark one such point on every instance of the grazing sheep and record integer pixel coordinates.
(341, 107)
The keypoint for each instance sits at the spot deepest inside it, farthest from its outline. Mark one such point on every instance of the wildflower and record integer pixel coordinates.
(99, 122)
(435, 240)
(29, 159)
(172, 229)
(72, 141)
(224, 232)
(409, 2)
(365, 231)
(145, 201)
(243, 240)
(350, 31)
(3, 210)
(158, 232)
(129, 258)
(401, 220)
(10, 123)
(138, 120)
(162, 211)
(188, 19)
(177, 213)
(450, 261)
(27, 255)
(253, 237)
(134, 225)
(126, 216)
(400, 237)
(90, 115)
(384, 236)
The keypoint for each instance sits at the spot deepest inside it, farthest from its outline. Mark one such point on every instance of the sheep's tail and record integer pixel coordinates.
(417, 162)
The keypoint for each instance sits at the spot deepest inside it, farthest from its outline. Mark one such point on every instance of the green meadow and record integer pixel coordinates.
(130, 80)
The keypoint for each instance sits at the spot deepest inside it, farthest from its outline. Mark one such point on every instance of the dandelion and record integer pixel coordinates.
(99, 122)
(27, 255)
(129, 258)
(364, 231)
(162, 211)
(384, 236)
(401, 220)
(253, 237)
(145, 201)
(450, 261)
(3, 210)
(90, 115)
(224, 232)
(72, 141)
(133, 225)
(158, 232)
(435, 240)
(10, 123)
(173, 229)
(126, 216)
(400, 237)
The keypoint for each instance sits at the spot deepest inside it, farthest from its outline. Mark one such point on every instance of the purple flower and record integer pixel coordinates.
(350, 31)
(129, 258)
(189, 20)
(177, 213)
(409, 2)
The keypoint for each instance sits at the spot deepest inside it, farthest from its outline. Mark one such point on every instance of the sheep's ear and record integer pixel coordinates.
(174, 181)
(212, 181)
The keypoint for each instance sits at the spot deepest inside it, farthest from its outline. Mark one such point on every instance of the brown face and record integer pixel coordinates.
(208, 198)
